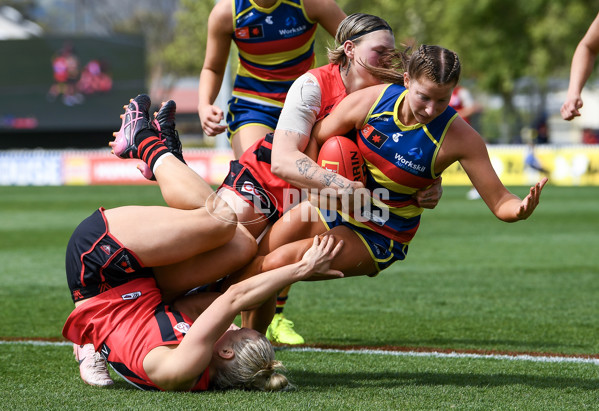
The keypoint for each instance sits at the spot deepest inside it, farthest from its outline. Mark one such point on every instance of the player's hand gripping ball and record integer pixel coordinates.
(342, 156)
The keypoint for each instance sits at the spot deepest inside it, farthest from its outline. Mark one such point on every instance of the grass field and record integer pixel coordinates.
(470, 284)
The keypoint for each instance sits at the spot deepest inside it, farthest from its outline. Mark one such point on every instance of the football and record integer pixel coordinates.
(342, 156)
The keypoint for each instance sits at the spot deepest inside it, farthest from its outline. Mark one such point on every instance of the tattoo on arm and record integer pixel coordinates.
(307, 168)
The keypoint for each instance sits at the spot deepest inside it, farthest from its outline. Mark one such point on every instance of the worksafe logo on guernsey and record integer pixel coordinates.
(250, 32)
(373, 136)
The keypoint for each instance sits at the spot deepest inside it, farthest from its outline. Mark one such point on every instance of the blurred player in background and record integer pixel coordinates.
(583, 62)
(275, 40)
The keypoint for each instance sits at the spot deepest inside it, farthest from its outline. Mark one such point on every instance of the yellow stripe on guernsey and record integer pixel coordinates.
(274, 58)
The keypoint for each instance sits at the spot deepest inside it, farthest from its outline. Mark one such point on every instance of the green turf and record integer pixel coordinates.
(470, 282)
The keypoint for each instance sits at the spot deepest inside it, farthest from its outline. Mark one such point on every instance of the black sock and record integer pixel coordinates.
(149, 147)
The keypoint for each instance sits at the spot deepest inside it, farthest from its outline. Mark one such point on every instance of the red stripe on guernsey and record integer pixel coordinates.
(276, 46)
(287, 73)
(272, 96)
(392, 171)
(400, 204)
(399, 236)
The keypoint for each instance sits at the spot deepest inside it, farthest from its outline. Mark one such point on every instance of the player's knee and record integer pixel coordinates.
(224, 221)
(285, 255)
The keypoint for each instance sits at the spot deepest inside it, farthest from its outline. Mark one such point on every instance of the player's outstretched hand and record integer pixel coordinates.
(318, 258)
(531, 201)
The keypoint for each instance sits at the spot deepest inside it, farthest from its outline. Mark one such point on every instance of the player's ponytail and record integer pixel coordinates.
(253, 368)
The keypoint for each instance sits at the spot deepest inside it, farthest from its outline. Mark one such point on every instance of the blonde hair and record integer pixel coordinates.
(253, 368)
(352, 28)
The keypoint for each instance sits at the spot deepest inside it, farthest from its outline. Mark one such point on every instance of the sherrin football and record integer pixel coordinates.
(342, 156)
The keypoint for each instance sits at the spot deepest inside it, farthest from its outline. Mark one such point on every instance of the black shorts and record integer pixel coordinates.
(242, 181)
(96, 261)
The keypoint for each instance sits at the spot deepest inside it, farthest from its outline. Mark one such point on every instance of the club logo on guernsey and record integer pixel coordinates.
(373, 136)
(250, 32)
(182, 327)
(131, 296)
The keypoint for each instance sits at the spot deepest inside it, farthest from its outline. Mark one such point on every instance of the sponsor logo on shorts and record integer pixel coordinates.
(248, 187)
(125, 264)
(105, 248)
(182, 327)
(258, 199)
(131, 296)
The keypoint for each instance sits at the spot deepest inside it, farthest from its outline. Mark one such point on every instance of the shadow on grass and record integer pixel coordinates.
(307, 380)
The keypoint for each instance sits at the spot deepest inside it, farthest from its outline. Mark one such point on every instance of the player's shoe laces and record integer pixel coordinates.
(135, 119)
(92, 365)
(164, 123)
(281, 331)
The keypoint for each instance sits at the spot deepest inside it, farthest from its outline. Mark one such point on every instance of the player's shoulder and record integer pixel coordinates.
(222, 10)
(318, 8)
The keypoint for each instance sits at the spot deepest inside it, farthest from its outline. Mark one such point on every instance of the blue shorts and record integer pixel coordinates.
(244, 113)
(383, 250)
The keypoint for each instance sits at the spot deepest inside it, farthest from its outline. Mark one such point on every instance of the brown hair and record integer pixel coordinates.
(438, 64)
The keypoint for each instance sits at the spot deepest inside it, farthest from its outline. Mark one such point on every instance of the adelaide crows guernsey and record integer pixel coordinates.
(400, 160)
(276, 46)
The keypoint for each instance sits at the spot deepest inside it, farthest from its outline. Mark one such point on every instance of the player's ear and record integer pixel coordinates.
(226, 353)
(348, 48)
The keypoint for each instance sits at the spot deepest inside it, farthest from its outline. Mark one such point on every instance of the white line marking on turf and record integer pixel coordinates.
(437, 354)
(35, 342)
(520, 357)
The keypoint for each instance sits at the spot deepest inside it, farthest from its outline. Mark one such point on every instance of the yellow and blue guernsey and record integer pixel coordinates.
(276, 46)
(400, 160)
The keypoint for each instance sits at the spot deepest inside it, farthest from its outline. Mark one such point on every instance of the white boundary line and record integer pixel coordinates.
(518, 357)
(435, 354)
